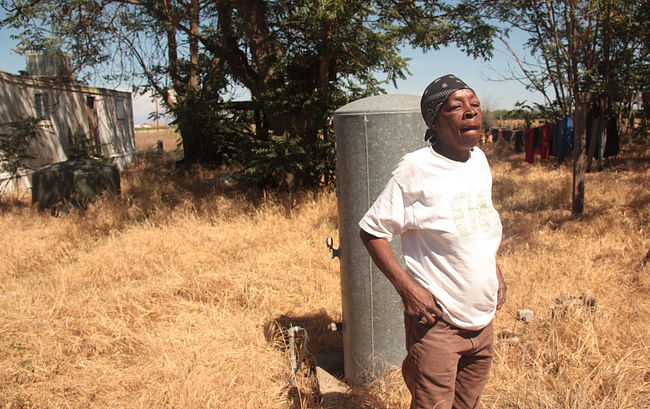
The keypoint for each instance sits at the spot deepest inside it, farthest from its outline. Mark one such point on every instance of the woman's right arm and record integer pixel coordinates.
(417, 300)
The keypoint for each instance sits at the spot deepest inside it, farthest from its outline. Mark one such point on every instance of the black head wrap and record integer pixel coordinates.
(434, 97)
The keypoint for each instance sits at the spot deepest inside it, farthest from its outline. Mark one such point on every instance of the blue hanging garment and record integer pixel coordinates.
(563, 138)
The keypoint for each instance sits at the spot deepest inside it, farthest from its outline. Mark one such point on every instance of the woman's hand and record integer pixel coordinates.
(419, 302)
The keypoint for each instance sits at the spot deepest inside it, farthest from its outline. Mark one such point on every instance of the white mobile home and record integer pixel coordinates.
(66, 110)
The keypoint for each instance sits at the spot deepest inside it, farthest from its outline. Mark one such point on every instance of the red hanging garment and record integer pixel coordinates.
(530, 145)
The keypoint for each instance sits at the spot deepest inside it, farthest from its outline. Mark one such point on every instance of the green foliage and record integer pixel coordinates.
(20, 353)
(212, 133)
(16, 138)
(598, 46)
(286, 164)
(298, 60)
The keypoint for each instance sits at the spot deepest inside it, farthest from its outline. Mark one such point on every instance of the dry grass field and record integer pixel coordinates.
(178, 294)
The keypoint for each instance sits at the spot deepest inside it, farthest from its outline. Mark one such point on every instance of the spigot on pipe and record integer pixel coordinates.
(334, 252)
(292, 353)
(335, 326)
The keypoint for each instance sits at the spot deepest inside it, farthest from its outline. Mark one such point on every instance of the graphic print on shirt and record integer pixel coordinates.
(474, 215)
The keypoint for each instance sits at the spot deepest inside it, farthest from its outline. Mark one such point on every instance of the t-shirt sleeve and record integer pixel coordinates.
(386, 217)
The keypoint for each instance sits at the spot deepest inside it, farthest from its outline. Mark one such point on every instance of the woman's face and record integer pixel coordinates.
(458, 125)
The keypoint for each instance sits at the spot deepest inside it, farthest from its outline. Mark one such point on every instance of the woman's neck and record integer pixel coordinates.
(458, 156)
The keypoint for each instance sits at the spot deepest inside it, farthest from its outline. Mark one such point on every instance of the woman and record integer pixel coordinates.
(439, 201)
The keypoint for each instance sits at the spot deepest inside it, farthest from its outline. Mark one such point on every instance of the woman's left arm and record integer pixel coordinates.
(501, 294)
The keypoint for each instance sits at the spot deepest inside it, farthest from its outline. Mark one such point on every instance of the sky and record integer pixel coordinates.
(482, 77)
(424, 68)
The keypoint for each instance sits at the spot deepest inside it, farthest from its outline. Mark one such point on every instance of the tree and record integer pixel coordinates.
(580, 47)
(598, 46)
(16, 138)
(298, 59)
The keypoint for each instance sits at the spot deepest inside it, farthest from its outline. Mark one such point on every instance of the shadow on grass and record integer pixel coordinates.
(12, 202)
(158, 187)
(322, 345)
(322, 340)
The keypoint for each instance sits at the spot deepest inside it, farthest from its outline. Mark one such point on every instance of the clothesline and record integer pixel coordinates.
(556, 139)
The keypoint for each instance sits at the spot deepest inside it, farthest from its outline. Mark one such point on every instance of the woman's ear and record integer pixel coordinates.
(430, 135)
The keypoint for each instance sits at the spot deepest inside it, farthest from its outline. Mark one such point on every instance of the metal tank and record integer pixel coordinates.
(372, 134)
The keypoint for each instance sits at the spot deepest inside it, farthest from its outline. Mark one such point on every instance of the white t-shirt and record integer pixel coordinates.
(449, 228)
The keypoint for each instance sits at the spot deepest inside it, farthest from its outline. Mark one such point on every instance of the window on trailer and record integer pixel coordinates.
(41, 105)
(119, 108)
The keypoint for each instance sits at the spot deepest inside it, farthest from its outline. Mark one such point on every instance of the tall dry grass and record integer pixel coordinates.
(581, 357)
(178, 294)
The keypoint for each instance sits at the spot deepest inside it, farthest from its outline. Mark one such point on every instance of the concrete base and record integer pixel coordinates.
(329, 372)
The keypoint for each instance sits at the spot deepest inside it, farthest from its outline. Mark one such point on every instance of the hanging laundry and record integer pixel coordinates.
(546, 141)
(494, 134)
(563, 137)
(520, 141)
(538, 142)
(611, 145)
(596, 137)
(602, 138)
(530, 145)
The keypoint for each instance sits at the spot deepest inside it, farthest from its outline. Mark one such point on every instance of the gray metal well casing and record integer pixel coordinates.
(372, 134)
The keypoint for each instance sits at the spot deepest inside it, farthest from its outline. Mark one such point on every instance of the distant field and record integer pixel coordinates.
(178, 294)
(147, 138)
(513, 124)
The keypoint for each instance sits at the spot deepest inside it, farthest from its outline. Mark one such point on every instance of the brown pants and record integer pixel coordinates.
(446, 367)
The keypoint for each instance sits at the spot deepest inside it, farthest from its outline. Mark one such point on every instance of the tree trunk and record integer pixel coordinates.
(582, 101)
